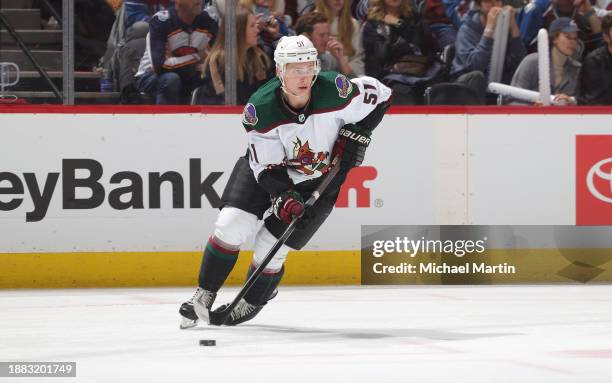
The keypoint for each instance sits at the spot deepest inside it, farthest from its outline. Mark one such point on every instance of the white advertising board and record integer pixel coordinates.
(522, 168)
(425, 169)
(42, 151)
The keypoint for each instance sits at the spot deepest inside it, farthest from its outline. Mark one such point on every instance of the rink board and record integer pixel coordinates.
(436, 166)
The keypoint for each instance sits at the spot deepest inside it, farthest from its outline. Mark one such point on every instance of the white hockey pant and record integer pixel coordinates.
(235, 226)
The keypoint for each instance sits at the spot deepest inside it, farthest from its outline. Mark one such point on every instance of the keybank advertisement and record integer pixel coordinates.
(153, 182)
(130, 182)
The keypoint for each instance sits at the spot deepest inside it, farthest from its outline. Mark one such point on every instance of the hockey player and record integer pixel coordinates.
(296, 124)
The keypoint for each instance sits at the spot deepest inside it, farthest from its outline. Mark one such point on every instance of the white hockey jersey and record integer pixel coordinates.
(304, 142)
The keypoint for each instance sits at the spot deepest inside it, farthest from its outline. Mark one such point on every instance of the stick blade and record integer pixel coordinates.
(218, 318)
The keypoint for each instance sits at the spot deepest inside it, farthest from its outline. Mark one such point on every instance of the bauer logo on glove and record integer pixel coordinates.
(354, 136)
(350, 146)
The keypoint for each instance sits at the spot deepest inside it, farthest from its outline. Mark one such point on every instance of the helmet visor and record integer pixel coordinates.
(301, 69)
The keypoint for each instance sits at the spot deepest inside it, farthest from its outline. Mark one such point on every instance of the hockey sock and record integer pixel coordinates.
(217, 264)
(264, 286)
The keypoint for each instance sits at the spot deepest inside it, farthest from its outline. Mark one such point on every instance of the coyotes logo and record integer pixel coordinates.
(249, 115)
(306, 161)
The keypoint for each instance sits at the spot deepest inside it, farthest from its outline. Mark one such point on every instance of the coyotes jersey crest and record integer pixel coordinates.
(306, 161)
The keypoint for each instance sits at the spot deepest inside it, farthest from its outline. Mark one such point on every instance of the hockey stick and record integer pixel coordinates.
(219, 317)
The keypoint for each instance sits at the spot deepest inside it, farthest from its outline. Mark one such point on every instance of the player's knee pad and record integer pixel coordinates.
(264, 241)
(234, 226)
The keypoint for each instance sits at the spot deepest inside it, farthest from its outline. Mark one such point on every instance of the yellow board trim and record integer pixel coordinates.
(154, 269)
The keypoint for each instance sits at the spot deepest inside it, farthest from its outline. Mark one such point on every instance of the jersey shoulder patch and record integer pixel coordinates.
(344, 85)
(249, 115)
(262, 111)
(332, 91)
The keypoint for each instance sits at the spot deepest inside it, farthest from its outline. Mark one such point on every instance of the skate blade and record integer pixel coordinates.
(188, 323)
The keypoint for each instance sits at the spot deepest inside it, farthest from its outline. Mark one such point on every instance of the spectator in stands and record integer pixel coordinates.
(253, 66)
(441, 26)
(93, 20)
(138, 14)
(359, 10)
(290, 8)
(143, 10)
(474, 46)
(597, 70)
(315, 26)
(305, 6)
(130, 45)
(216, 8)
(115, 4)
(177, 44)
(603, 8)
(266, 11)
(278, 8)
(47, 18)
(457, 10)
(565, 70)
(345, 29)
(272, 26)
(541, 13)
(399, 50)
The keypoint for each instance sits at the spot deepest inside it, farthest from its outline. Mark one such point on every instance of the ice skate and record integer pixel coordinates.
(243, 312)
(196, 308)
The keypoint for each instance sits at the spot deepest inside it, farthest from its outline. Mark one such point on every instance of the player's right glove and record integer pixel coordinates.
(288, 205)
(351, 145)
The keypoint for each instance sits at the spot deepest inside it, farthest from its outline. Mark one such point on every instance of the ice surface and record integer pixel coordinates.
(324, 334)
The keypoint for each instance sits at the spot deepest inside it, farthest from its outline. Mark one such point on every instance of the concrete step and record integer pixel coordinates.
(33, 81)
(16, 4)
(36, 97)
(81, 95)
(22, 18)
(33, 38)
(49, 60)
(60, 74)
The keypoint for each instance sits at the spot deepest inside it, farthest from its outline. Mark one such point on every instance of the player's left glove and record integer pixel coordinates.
(353, 139)
(288, 205)
(351, 145)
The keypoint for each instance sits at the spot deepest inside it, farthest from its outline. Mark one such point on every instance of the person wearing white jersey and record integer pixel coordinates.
(296, 124)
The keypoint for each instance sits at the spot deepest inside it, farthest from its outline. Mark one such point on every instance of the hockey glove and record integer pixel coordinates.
(351, 145)
(372, 120)
(288, 205)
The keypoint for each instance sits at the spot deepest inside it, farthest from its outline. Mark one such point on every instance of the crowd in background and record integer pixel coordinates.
(427, 51)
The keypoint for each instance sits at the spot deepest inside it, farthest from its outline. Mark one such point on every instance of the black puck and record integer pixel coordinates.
(208, 342)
